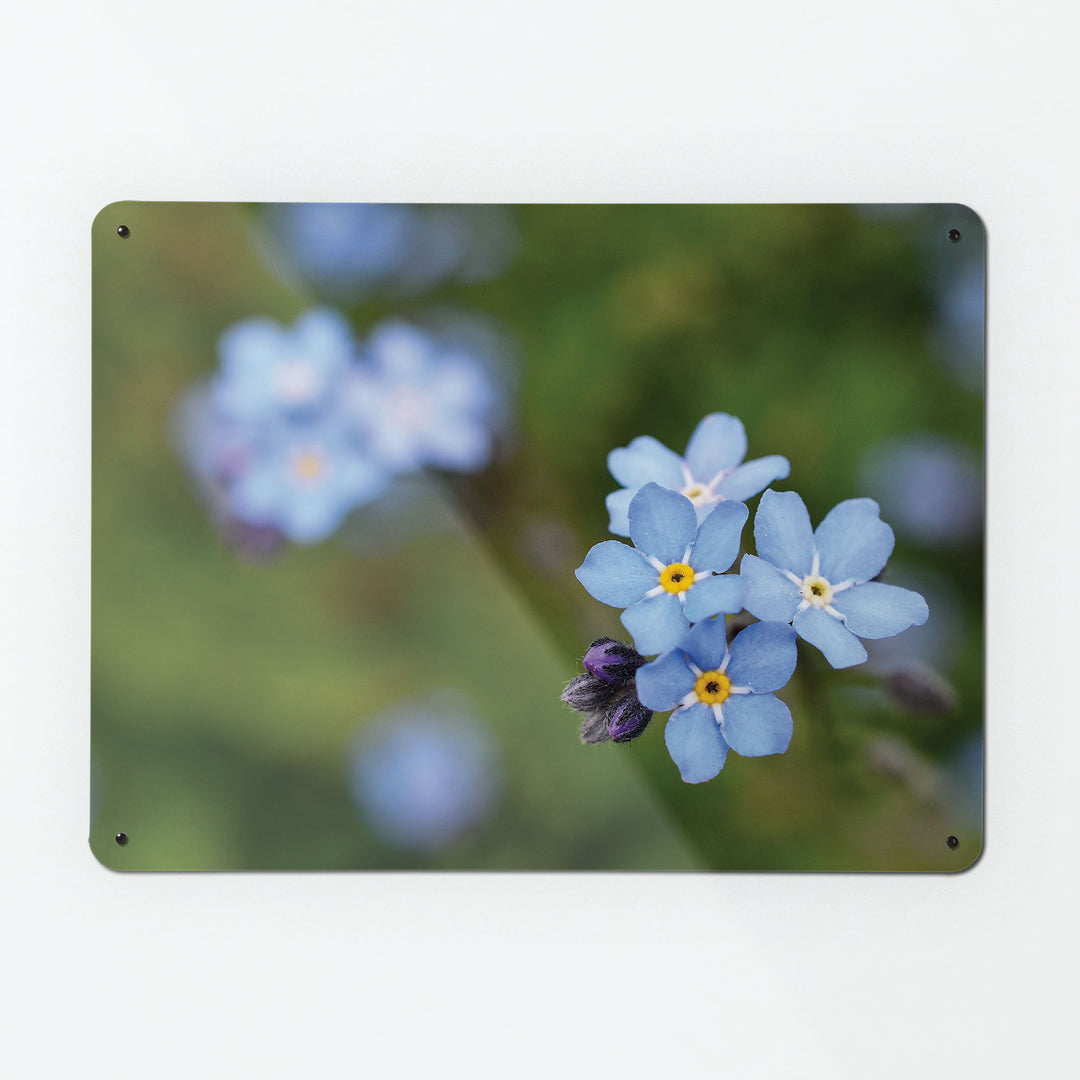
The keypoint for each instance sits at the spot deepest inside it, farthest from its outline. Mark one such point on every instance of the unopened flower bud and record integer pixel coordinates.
(586, 694)
(627, 718)
(594, 728)
(917, 688)
(612, 661)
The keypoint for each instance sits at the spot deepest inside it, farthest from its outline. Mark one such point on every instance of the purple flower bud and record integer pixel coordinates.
(586, 694)
(627, 718)
(612, 661)
(917, 688)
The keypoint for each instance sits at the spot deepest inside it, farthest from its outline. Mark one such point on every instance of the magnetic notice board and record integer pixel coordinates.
(539, 537)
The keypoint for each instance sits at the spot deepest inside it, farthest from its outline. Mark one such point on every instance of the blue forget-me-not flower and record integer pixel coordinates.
(820, 581)
(306, 480)
(723, 697)
(674, 574)
(711, 472)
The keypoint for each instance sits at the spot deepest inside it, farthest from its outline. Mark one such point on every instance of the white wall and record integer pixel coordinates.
(325, 976)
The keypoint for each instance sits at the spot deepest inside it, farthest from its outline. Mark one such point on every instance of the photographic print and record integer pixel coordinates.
(542, 537)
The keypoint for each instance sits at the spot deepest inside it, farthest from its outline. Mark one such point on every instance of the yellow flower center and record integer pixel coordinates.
(712, 687)
(677, 578)
(309, 465)
(817, 590)
(695, 492)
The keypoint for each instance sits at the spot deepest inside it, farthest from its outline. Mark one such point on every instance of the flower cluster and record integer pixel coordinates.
(605, 693)
(345, 251)
(302, 424)
(685, 518)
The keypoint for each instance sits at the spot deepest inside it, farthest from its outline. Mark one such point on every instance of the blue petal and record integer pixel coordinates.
(756, 724)
(706, 644)
(721, 594)
(616, 574)
(763, 657)
(718, 443)
(324, 334)
(644, 460)
(618, 504)
(656, 624)
(782, 532)
(254, 496)
(754, 476)
(662, 523)
(719, 537)
(257, 341)
(662, 684)
(770, 594)
(875, 611)
(694, 741)
(312, 517)
(853, 541)
(840, 646)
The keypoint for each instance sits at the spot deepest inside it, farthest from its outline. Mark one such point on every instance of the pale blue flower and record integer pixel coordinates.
(672, 576)
(711, 472)
(352, 250)
(424, 774)
(416, 401)
(821, 581)
(305, 480)
(270, 372)
(722, 697)
(344, 248)
(930, 486)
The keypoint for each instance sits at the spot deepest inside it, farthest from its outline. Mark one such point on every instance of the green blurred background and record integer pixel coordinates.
(226, 695)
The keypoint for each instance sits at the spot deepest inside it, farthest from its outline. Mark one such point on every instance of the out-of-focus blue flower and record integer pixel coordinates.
(930, 486)
(423, 775)
(305, 480)
(351, 250)
(269, 371)
(959, 334)
(343, 246)
(711, 472)
(214, 448)
(821, 581)
(722, 697)
(672, 576)
(415, 402)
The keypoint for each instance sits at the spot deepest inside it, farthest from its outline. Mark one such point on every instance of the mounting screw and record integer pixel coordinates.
(952, 842)
(124, 232)
(954, 236)
(121, 838)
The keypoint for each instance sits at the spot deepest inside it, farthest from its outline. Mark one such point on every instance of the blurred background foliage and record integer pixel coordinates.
(227, 694)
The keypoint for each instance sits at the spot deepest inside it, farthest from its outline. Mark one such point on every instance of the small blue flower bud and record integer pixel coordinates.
(586, 694)
(627, 718)
(612, 661)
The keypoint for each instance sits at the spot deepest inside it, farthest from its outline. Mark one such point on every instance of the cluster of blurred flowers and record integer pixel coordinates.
(347, 251)
(300, 425)
(685, 518)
